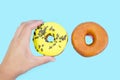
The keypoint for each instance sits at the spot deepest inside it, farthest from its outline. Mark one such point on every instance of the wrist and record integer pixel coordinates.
(6, 74)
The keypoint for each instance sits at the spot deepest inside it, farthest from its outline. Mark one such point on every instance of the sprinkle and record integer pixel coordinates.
(34, 33)
(54, 44)
(39, 46)
(41, 49)
(42, 24)
(59, 41)
(53, 35)
(57, 35)
(37, 50)
(43, 31)
(63, 38)
(33, 39)
(42, 37)
(51, 28)
(50, 47)
(55, 41)
(38, 27)
(59, 46)
(42, 45)
(36, 37)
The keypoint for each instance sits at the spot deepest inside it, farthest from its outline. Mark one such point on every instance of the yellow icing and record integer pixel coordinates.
(40, 39)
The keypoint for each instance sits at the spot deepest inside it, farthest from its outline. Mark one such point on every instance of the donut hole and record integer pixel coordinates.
(50, 38)
(89, 39)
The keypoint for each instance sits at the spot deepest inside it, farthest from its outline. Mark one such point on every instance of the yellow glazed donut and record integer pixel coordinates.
(46, 47)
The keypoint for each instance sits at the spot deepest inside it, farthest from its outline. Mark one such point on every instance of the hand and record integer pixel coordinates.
(19, 58)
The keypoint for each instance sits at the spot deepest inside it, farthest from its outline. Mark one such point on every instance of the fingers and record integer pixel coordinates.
(39, 60)
(33, 24)
(27, 27)
(19, 29)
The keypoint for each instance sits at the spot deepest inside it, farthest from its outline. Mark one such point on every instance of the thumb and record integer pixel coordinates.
(39, 60)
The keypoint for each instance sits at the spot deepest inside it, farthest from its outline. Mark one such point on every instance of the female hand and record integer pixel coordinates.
(19, 58)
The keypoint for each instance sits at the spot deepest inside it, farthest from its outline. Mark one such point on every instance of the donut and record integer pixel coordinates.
(53, 47)
(99, 37)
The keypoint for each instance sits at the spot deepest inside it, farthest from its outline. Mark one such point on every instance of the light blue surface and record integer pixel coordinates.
(69, 13)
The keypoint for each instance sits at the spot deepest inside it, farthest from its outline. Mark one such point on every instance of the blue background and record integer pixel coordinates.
(69, 13)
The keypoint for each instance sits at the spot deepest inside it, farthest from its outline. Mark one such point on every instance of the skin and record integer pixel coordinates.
(19, 58)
